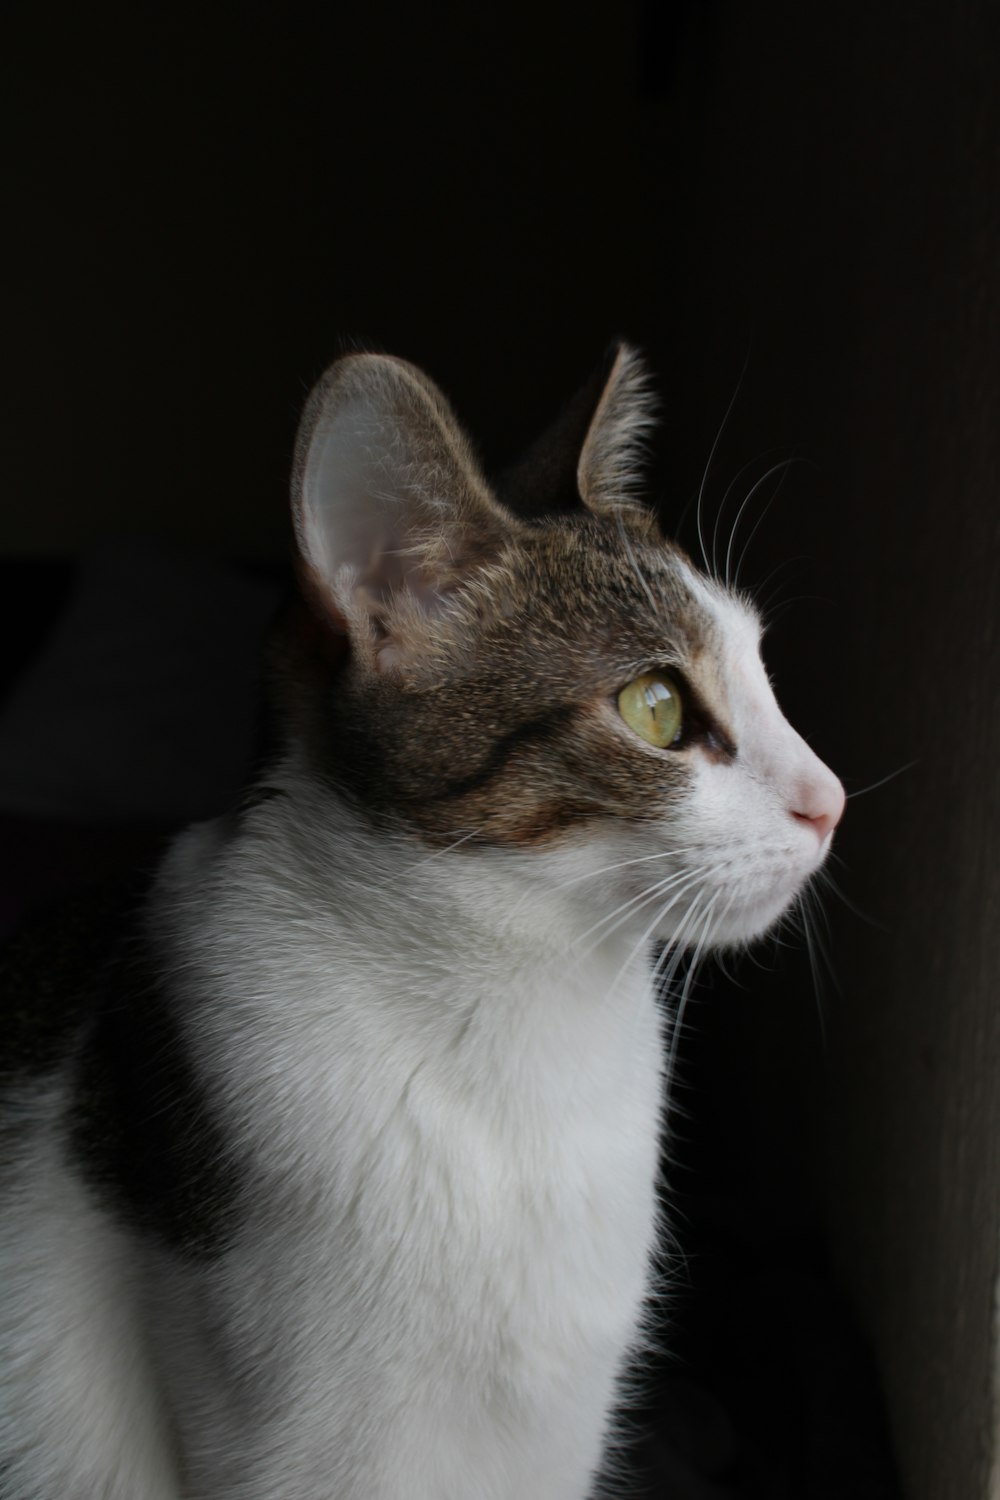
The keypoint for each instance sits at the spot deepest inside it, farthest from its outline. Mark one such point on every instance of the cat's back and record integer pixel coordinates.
(81, 1043)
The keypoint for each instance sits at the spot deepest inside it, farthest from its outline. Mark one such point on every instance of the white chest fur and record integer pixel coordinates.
(452, 1139)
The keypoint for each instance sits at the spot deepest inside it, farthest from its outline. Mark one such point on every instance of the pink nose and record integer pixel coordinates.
(820, 804)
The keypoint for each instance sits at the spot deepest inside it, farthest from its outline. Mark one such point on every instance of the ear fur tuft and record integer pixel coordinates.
(594, 452)
(610, 468)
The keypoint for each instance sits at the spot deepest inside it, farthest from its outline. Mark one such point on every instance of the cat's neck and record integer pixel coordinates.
(473, 962)
(540, 909)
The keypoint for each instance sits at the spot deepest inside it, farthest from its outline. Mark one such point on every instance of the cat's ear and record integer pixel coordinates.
(594, 451)
(391, 511)
(610, 469)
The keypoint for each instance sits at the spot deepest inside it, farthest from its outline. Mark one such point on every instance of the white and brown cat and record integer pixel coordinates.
(338, 1182)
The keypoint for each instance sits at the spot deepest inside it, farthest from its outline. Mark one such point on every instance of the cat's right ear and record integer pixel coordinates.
(595, 450)
(391, 511)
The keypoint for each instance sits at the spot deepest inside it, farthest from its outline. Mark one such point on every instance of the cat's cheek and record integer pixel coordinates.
(748, 855)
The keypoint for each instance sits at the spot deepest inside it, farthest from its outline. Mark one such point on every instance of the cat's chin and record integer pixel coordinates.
(750, 922)
(739, 924)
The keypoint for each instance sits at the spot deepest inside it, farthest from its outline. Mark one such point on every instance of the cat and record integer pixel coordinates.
(339, 1184)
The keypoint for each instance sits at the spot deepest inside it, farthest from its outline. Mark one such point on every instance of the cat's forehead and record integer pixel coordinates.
(626, 591)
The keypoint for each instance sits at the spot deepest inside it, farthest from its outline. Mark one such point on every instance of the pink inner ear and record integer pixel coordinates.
(380, 589)
(392, 512)
(350, 528)
(392, 570)
(390, 657)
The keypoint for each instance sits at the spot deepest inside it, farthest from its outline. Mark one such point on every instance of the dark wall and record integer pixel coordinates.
(846, 212)
(212, 201)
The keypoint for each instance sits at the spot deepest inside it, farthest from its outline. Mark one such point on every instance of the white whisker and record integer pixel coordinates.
(785, 464)
(439, 853)
(766, 602)
(685, 992)
(862, 791)
(824, 878)
(720, 509)
(647, 935)
(684, 878)
(811, 937)
(754, 528)
(621, 864)
(675, 951)
(708, 466)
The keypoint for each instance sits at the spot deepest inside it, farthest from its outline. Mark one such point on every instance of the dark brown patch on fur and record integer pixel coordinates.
(143, 1127)
(79, 988)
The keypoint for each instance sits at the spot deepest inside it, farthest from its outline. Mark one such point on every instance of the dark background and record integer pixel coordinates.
(795, 205)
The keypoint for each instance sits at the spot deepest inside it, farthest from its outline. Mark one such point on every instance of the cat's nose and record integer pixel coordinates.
(819, 802)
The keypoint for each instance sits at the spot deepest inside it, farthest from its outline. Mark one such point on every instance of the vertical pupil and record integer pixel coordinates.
(651, 705)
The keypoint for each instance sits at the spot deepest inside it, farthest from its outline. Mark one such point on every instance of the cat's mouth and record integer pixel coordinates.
(721, 914)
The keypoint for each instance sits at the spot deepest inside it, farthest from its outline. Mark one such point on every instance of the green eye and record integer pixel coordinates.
(651, 705)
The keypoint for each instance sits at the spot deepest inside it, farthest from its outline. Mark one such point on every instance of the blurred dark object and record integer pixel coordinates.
(768, 1391)
(129, 708)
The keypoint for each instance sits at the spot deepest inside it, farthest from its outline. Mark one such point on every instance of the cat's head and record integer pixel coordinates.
(541, 673)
